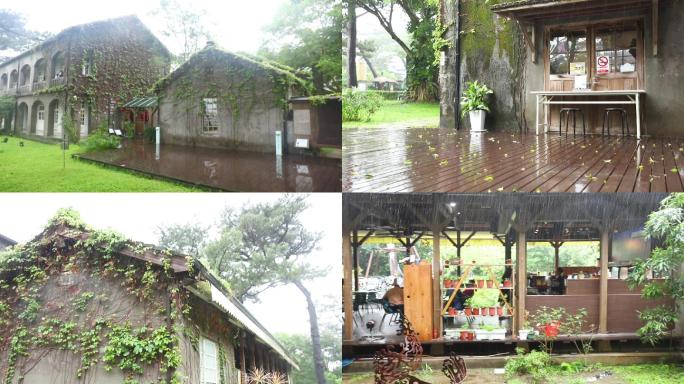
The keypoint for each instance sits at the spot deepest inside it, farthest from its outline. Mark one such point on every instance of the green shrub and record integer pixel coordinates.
(100, 140)
(536, 363)
(150, 134)
(359, 105)
(70, 128)
(128, 129)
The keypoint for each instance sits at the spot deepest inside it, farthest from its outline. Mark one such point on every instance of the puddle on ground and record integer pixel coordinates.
(229, 170)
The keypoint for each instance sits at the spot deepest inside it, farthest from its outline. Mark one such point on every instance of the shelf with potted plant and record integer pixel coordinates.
(485, 308)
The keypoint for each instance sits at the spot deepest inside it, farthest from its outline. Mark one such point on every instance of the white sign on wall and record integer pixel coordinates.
(602, 65)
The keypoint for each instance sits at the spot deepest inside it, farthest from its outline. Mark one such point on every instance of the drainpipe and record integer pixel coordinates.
(457, 58)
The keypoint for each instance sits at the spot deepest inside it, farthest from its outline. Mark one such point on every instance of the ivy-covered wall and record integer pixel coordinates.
(125, 60)
(252, 102)
(207, 321)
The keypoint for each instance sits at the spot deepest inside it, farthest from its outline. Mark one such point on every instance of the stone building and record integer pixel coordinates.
(91, 69)
(225, 100)
(87, 306)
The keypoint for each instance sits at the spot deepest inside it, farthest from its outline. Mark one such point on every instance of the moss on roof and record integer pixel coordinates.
(519, 3)
(80, 28)
(277, 69)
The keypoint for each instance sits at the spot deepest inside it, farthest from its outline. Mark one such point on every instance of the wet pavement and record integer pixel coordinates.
(227, 170)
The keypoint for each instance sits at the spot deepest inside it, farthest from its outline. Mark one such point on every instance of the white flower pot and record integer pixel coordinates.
(477, 120)
(524, 333)
(481, 334)
(497, 334)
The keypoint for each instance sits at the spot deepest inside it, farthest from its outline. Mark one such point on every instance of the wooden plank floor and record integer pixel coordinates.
(440, 160)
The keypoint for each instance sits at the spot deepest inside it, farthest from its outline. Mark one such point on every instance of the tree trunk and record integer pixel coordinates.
(319, 365)
(351, 45)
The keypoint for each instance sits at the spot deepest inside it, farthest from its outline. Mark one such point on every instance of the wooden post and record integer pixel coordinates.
(521, 280)
(436, 286)
(603, 291)
(346, 286)
(355, 257)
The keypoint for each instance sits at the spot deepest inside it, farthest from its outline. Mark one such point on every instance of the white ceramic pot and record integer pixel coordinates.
(481, 334)
(497, 334)
(524, 333)
(477, 120)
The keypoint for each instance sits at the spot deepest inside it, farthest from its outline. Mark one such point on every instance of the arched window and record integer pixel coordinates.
(25, 75)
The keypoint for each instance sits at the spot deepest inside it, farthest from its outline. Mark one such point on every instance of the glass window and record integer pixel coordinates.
(568, 53)
(210, 115)
(619, 45)
(209, 362)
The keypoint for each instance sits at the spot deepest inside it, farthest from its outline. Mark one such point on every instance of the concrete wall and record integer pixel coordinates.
(248, 110)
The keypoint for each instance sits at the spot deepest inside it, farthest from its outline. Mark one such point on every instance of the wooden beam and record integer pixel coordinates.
(436, 286)
(346, 286)
(656, 27)
(355, 258)
(529, 39)
(603, 281)
(521, 281)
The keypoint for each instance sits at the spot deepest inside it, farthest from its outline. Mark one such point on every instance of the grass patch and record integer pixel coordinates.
(38, 167)
(650, 373)
(397, 113)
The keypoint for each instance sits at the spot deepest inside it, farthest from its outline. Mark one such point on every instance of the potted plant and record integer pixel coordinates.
(476, 311)
(507, 283)
(480, 283)
(452, 311)
(474, 104)
(492, 311)
(525, 330)
(499, 311)
(484, 332)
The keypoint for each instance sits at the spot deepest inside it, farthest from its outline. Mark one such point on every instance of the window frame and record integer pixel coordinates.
(592, 27)
(203, 379)
(207, 127)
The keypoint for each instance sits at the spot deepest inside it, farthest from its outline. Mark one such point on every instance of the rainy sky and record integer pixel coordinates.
(23, 216)
(235, 25)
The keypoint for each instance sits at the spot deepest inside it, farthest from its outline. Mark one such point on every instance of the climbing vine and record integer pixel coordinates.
(62, 253)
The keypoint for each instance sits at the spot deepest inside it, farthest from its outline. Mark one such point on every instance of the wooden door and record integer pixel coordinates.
(418, 299)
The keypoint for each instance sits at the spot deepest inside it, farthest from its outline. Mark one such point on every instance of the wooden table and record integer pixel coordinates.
(546, 98)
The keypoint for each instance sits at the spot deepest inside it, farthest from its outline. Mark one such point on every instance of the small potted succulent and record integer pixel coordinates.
(474, 104)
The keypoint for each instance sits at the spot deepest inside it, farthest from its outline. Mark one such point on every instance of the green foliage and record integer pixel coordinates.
(67, 216)
(69, 126)
(299, 347)
(150, 134)
(536, 363)
(81, 302)
(475, 97)
(305, 35)
(359, 105)
(262, 246)
(568, 324)
(422, 64)
(131, 349)
(100, 140)
(186, 238)
(540, 256)
(650, 373)
(666, 225)
(484, 298)
(658, 321)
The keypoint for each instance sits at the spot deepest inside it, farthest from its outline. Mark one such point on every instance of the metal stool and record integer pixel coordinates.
(567, 112)
(623, 116)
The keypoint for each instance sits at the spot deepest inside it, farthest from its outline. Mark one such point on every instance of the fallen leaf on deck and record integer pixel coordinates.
(489, 178)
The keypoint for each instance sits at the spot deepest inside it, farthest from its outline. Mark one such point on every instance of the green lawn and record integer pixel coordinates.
(396, 113)
(629, 374)
(38, 167)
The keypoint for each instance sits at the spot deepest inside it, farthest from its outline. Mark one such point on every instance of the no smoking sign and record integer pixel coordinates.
(602, 64)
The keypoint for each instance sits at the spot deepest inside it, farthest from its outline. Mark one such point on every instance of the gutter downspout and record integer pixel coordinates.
(457, 58)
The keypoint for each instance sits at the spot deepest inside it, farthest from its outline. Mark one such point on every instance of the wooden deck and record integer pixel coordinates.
(441, 160)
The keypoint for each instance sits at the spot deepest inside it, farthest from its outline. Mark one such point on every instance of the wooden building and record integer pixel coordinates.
(621, 54)
(513, 221)
(80, 305)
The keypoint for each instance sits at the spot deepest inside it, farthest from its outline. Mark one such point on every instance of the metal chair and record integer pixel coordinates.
(567, 112)
(623, 117)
